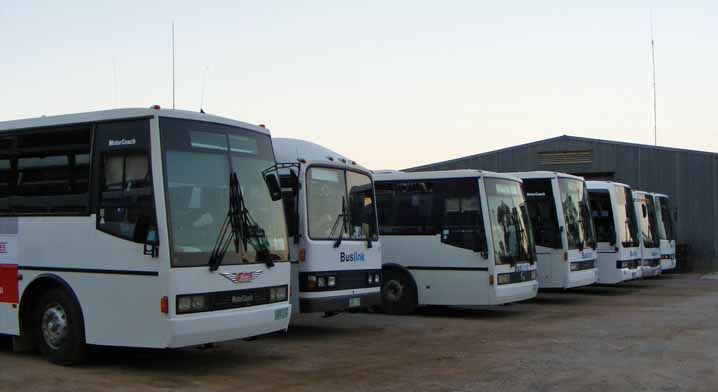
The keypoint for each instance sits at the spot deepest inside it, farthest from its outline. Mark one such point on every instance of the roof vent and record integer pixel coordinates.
(565, 157)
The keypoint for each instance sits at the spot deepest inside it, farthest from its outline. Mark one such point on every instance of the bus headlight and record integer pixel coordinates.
(574, 266)
(504, 278)
(533, 274)
(311, 282)
(277, 294)
(331, 281)
(321, 282)
(191, 303)
(373, 278)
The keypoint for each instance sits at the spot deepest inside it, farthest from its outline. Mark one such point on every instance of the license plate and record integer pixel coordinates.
(354, 302)
(281, 314)
(522, 267)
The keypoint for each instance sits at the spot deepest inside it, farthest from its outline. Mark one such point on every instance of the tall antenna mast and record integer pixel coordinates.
(173, 64)
(653, 61)
(204, 85)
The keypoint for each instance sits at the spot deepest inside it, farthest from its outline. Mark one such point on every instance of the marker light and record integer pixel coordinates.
(331, 159)
(491, 280)
(302, 254)
(262, 126)
(155, 107)
(164, 305)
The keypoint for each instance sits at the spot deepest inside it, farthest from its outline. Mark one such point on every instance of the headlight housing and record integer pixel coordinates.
(504, 279)
(277, 294)
(192, 303)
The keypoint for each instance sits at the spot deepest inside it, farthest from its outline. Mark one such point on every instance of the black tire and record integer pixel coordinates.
(58, 328)
(398, 293)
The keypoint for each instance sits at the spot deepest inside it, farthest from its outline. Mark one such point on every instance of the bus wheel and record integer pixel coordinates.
(59, 332)
(398, 293)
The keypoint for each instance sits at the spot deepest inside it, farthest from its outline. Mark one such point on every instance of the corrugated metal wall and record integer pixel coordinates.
(690, 178)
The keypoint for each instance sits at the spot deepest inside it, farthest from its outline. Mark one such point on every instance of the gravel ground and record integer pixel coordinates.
(650, 335)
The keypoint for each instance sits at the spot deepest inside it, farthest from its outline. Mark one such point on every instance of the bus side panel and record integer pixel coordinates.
(118, 287)
(412, 251)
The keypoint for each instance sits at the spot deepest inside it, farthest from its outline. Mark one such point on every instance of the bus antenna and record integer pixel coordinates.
(204, 86)
(653, 61)
(173, 64)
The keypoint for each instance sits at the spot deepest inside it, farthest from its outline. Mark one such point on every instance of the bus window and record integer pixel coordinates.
(542, 212)
(461, 219)
(602, 214)
(406, 208)
(123, 179)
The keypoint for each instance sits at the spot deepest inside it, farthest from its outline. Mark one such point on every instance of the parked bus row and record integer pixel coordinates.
(165, 228)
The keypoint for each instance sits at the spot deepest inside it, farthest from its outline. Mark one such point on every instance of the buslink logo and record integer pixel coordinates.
(354, 257)
(241, 277)
(121, 142)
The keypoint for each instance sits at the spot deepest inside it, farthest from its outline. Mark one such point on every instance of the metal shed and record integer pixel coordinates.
(689, 178)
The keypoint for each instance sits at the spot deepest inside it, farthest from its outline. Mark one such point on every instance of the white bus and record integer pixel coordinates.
(459, 237)
(562, 227)
(619, 246)
(140, 228)
(650, 242)
(666, 231)
(334, 240)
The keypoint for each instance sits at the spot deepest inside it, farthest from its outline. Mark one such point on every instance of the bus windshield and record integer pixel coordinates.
(649, 224)
(340, 204)
(665, 210)
(576, 212)
(510, 228)
(199, 158)
(626, 217)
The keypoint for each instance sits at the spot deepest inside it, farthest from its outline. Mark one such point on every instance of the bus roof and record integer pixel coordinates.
(604, 184)
(119, 114)
(545, 174)
(397, 175)
(289, 150)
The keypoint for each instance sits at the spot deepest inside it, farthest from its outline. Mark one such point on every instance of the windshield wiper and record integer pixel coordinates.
(339, 222)
(239, 225)
(230, 231)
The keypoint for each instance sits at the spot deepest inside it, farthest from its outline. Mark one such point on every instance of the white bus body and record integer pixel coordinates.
(617, 234)
(331, 271)
(650, 242)
(108, 221)
(666, 231)
(458, 237)
(562, 227)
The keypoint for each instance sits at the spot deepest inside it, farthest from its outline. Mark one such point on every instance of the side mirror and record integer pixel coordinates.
(275, 190)
(643, 209)
(146, 233)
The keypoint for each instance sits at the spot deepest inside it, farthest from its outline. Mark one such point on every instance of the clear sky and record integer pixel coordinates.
(392, 84)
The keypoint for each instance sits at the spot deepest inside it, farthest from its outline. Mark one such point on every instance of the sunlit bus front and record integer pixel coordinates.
(666, 232)
(512, 247)
(650, 242)
(580, 235)
(229, 276)
(341, 268)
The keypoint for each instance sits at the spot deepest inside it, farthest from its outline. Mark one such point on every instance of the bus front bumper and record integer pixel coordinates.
(668, 264)
(631, 273)
(515, 292)
(582, 278)
(210, 327)
(650, 271)
(340, 303)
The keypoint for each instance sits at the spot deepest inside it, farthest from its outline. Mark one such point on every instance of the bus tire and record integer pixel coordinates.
(59, 329)
(398, 293)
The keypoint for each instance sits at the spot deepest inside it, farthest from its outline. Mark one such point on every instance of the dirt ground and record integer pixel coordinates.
(651, 335)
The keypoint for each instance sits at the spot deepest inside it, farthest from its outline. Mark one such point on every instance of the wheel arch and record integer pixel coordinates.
(402, 269)
(40, 284)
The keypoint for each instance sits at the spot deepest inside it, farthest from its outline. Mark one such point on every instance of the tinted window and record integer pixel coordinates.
(542, 211)
(406, 208)
(509, 219)
(602, 214)
(666, 218)
(46, 171)
(626, 217)
(459, 211)
(124, 182)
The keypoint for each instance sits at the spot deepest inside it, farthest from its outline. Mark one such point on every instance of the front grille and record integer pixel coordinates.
(651, 262)
(583, 265)
(635, 263)
(517, 277)
(345, 280)
(235, 299)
